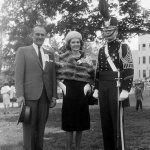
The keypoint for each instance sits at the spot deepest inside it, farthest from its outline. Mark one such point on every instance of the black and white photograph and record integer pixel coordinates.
(75, 75)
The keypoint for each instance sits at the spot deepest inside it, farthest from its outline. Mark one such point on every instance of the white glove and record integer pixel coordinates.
(95, 94)
(63, 87)
(123, 95)
(87, 88)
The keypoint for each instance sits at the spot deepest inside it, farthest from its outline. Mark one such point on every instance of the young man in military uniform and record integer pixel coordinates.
(113, 56)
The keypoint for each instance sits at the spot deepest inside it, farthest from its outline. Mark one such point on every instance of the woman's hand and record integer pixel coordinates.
(62, 86)
(95, 94)
(87, 88)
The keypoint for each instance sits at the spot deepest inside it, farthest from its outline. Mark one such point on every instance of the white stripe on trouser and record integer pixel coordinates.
(121, 127)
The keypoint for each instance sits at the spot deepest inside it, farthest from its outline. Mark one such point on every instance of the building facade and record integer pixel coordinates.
(141, 58)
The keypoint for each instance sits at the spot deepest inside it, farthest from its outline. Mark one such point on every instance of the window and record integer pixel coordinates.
(144, 73)
(144, 45)
(144, 60)
(139, 74)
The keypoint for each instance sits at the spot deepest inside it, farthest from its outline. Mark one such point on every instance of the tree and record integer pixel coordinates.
(78, 15)
(17, 20)
(19, 16)
(133, 19)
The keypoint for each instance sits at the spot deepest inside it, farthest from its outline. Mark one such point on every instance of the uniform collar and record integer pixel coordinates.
(113, 42)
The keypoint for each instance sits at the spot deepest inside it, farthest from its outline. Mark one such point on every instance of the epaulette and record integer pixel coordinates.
(125, 56)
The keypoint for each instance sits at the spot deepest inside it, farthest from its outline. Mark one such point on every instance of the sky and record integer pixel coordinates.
(1, 1)
(145, 3)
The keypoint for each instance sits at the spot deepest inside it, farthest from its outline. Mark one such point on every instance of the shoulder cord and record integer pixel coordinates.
(111, 63)
(127, 60)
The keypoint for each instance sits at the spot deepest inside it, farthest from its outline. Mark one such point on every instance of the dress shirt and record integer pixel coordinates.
(42, 54)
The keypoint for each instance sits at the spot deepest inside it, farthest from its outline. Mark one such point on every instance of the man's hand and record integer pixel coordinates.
(53, 102)
(87, 88)
(123, 95)
(95, 94)
(20, 100)
(62, 86)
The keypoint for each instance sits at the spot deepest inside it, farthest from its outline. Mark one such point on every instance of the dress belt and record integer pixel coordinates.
(108, 76)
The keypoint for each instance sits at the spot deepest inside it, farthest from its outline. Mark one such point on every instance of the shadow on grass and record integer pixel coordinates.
(137, 131)
(58, 141)
(91, 140)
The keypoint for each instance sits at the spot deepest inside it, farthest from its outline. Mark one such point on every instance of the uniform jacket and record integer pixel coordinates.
(121, 56)
(30, 77)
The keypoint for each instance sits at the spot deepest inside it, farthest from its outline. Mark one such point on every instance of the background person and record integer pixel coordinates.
(76, 77)
(35, 83)
(139, 96)
(5, 91)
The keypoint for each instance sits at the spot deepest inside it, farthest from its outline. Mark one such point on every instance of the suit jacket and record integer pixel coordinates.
(30, 77)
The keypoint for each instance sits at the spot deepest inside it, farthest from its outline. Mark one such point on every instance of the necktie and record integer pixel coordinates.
(40, 56)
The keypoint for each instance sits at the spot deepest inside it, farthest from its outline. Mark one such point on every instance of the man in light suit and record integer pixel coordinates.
(35, 83)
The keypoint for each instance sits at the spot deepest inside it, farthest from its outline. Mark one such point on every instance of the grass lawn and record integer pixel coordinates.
(137, 130)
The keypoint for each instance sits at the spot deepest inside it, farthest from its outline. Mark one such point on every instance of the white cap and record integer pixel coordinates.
(73, 35)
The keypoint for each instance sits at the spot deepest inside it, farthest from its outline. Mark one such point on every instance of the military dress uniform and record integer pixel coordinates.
(106, 83)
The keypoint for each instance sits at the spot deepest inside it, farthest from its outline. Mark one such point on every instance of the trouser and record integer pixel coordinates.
(139, 104)
(33, 131)
(108, 111)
